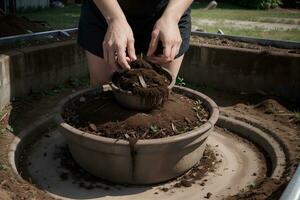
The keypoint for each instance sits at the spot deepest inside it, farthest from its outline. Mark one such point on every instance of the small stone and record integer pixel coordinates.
(186, 183)
(164, 189)
(208, 195)
(177, 185)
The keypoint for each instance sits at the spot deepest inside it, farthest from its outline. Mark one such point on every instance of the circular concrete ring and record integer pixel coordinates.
(267, 142)
(256, 132)
(151, 161)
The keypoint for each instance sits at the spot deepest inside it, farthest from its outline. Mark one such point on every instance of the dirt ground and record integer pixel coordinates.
(230, 43)
(275, 116)
(14, 25)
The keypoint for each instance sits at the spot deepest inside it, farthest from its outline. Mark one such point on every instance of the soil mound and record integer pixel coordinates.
(102, 115)
(13, 25)
(271, 106)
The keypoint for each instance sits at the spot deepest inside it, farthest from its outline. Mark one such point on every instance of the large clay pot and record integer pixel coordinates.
(151, 161)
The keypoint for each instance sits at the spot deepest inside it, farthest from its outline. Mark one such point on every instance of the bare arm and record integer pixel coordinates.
(176, 8)
(119, 37)
(166, 29)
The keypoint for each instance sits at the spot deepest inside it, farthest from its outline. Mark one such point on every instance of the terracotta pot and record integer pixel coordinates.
(151, 161)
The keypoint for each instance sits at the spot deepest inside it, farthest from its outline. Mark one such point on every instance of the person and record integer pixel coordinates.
(114, 32)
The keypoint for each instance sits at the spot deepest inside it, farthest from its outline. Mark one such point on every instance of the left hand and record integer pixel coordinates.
(167, 31)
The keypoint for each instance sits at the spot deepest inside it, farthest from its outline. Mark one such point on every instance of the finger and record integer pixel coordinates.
(105, 54)
(111, 58)
(131, 50)
(158, 60)
(174, 51)
(153, 43)
(167, 50)
(122, 58)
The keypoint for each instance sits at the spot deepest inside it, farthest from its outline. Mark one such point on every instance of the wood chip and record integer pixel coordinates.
(174, 128)
(127, 136)
(187, 120)
(93, 127)
(142, 81)
(3, 116)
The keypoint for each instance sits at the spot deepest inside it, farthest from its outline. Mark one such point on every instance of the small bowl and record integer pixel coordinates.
(136, 102)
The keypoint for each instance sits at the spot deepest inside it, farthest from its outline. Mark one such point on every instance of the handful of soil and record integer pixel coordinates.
(144, 79)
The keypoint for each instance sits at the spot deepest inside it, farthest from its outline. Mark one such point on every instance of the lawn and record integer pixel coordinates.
(273, 24)
(58, 18)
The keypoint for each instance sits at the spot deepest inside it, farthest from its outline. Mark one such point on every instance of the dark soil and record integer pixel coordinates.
(14, 25)
(155, 83)
(230, 43)
(99, 114)
(262, 191)
(36, 42)
(207, 164)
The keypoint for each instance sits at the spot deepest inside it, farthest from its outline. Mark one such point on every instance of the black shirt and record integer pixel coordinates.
(142, 8)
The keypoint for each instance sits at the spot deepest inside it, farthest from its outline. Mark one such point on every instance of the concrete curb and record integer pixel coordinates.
(265, 141)
(243, 70)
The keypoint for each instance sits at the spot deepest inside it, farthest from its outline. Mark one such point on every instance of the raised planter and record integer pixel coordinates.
(150, 161)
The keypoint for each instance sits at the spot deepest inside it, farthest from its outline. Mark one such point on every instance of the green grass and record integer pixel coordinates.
(2, 166)
(296, 116)
(293, 35)
(58, 18)
(229, 12)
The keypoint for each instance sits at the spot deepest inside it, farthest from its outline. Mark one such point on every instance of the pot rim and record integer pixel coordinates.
(209, 124)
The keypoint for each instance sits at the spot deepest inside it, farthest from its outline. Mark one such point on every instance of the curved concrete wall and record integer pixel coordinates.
(36, 68)
(243, 70)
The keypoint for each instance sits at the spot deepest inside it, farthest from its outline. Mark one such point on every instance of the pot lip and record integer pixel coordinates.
(118, 89)
(209, 124)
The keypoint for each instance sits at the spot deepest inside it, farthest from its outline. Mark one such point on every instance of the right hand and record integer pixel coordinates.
(117, 41)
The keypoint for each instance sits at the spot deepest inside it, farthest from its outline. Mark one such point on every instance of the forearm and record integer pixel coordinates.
(110, 9)
(176, 8)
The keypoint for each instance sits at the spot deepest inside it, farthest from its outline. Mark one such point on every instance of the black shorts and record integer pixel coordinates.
(92, 29)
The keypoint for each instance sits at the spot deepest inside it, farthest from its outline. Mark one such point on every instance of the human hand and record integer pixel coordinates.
(167, 31)
(117, 41)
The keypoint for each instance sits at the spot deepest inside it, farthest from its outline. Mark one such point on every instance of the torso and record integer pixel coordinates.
(142, 8)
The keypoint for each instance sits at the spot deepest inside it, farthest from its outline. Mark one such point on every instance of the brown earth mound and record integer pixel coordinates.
(271, 106)
(101, 115)
(14, 25)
